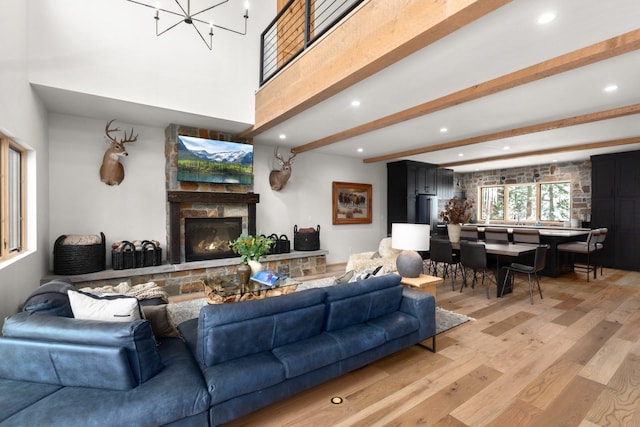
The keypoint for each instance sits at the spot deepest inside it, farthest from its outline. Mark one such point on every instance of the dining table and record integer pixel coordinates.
(504, 254)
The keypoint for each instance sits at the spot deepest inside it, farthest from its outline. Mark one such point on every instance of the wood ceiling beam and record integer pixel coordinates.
(376, 35)
(539, 127)
(579, 147)
(606, 49)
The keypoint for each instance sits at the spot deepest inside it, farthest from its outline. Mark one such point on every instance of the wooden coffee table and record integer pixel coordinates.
(423, 283)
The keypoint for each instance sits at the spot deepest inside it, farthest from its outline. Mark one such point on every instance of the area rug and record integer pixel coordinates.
(446, 320)
(185, 310)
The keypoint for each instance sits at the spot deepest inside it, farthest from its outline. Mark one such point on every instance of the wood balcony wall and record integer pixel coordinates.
(375, 35)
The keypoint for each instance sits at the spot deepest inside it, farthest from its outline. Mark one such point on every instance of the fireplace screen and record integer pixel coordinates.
(208, 238)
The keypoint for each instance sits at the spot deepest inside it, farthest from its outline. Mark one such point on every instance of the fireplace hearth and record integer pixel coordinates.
(208, 238)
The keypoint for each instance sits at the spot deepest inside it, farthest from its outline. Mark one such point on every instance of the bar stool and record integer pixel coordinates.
(587, 248)
(469, 233)
(499, 235)
(526, 235)
(600, 246)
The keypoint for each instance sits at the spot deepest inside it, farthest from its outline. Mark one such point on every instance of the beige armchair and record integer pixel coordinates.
(384, 256)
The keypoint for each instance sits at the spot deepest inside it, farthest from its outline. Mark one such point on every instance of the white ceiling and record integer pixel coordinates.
(500, 43)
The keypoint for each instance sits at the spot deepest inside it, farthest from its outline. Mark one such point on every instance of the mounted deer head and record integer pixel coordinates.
(278, 178)
(112, 171)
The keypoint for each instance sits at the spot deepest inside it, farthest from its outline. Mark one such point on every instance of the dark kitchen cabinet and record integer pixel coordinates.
(445, 183)
(615, 204)
(411, 193)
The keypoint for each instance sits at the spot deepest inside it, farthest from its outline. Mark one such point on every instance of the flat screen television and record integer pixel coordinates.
(210, 160)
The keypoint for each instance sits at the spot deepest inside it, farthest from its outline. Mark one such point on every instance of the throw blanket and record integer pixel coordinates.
(141, 292)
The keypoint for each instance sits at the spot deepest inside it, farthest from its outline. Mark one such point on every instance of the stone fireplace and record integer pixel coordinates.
(195, 202)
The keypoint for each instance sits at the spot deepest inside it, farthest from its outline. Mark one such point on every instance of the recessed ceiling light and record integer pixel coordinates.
(611, 88)
(553, 161)
(506, 147)
(360, 150)
(355, 103)
(460, 154)
(443, 130)
(283, 136)
(546, 17)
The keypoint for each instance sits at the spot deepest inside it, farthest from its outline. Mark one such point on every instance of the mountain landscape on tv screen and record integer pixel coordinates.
(205, 160)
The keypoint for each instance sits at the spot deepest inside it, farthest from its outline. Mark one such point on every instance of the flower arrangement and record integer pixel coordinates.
(457, 212)
(251, 247)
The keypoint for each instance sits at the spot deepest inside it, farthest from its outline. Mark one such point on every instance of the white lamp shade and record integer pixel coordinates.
(412, 237)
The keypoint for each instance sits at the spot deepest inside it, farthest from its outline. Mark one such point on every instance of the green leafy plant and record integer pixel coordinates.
(457, 211)
(251, 247)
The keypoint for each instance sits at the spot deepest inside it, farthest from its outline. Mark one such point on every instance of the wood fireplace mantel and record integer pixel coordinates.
(176, 197)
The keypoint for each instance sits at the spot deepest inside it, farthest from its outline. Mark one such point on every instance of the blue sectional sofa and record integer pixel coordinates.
(234, 359)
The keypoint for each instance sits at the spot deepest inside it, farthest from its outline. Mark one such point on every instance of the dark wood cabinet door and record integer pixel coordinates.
(628, 176)
(603, 177)
(626, 243)
(445, 183)
(426, 179)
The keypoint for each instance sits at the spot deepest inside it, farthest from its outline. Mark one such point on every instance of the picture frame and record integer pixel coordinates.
(351, 203)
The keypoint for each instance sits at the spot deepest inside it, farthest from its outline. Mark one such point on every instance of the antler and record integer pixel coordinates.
(282, 160)
(127, 138)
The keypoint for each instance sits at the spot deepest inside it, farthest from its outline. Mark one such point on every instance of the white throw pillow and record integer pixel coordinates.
(110, 308)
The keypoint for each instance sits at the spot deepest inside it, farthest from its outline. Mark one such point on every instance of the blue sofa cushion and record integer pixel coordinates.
(396, 325)
(355, 303)
(51, 298)
(308, 355)
(358, 338)
(230, 331)
(244, 375)
(65, 364)
(177, 395)
(296, 325)
(135, 337)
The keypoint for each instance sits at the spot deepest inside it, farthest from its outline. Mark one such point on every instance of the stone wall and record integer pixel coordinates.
(578, 173)
(187, 278)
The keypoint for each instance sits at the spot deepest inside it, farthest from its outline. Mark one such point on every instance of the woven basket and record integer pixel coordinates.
(307, 239)
(78, 259)
(124, 257)
(148, 255)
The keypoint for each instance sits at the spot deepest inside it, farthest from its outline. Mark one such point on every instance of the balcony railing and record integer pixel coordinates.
(295, 28)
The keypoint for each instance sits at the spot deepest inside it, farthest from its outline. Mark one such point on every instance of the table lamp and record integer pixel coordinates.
(410, 238)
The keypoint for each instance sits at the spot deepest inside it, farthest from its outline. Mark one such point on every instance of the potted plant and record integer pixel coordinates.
(251, 249)
(456, 212)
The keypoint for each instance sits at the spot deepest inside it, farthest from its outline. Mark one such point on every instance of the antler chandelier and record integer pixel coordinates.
(189, 17)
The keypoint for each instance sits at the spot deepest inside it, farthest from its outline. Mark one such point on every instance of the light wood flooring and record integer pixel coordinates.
(570, 359)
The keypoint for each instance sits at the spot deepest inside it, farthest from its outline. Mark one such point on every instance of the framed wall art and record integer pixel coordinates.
(351, 203)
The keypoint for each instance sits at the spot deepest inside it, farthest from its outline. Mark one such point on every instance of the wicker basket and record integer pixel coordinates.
(124, 257)
(78, 259)
(148, 255)
(307, 239)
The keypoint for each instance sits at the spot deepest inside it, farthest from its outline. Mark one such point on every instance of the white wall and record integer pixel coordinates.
(109, 48)
(306, 201)
(82, 204)
(136, 209)
(23, 118)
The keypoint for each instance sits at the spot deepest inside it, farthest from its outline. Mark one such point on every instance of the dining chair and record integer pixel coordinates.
(469, 233)
(539, 263)
(496, 234)
(473, 256)
(587, 248)
(440, 251)
(526, 235)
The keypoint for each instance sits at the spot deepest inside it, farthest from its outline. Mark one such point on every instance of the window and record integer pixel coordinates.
(526, 202)
(12, 198)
